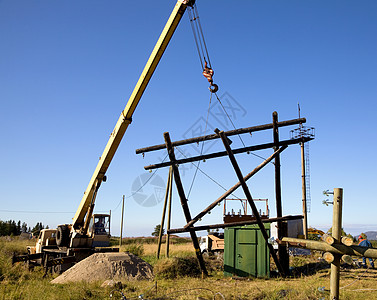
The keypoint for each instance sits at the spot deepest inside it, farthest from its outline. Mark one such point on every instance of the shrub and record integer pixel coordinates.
(175, 267)
(135, 249)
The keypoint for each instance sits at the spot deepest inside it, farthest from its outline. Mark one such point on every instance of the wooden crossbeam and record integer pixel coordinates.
(336, 248)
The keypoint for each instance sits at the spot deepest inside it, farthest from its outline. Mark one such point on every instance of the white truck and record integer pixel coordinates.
(212, 243)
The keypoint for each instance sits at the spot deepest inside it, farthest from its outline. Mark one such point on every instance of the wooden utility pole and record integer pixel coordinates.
(336, 234)
(336, 248)
(121, 223)
(184, 204)
(250, 200)
(278, 146)
(169, 214)
(282, 230)
(110, 222)
(164, 213)
(303, 176)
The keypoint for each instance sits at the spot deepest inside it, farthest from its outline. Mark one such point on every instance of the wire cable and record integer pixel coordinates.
(205, 174)
(202, 35)
(357, 278)
(234, 127)
(144, 184)
(202, 49)
(191, 17)
(201, 151)
(200, 42)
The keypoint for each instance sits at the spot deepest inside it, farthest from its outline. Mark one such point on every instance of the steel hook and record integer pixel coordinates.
(213, 88)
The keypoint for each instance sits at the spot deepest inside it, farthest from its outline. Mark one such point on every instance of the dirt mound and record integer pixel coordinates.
(104, 266)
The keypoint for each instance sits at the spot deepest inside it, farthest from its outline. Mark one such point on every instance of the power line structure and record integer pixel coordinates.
(277, 145)
(307, 178)
(299, 133)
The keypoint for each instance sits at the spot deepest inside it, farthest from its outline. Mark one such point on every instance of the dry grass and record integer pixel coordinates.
(216, 288)
(16, 282)
(174, 249)
(14, 245)
(150, 250)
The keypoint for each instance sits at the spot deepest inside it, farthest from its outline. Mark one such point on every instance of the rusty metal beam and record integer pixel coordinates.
(225, 225)
(227, 133)
(223, 153)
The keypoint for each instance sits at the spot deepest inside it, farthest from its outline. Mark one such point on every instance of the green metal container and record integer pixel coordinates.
(246, 252)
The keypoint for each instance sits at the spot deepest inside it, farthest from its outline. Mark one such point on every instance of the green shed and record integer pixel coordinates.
(246, 252)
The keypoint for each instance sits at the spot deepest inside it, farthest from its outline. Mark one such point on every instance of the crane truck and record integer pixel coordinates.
(70, 243)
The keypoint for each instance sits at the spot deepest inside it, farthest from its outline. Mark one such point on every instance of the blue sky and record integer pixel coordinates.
(67, 70)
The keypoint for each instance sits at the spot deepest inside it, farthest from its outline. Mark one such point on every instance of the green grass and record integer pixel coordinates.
(136, 249)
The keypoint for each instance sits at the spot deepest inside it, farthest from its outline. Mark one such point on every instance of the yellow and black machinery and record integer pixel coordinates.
(70, 243)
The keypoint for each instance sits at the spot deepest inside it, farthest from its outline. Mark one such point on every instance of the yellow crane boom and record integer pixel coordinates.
(86, 206)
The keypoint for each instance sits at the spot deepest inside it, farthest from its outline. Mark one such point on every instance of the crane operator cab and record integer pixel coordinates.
(99, 229)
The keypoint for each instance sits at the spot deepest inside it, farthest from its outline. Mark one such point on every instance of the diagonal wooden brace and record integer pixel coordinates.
(184, 204)
(250, 199)
(232, 189)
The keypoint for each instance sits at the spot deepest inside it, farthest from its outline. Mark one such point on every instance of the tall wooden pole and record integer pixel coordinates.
(163, 216)
(336, 234)
(304, 206)
(282, 251)
(110, 222)
(184, 204)
(169, 213)
(249, 199)
(121, 223)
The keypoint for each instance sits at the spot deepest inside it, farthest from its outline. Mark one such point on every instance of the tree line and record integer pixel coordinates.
(11, 228)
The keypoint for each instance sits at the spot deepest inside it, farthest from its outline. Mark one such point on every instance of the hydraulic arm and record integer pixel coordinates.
(85, 210)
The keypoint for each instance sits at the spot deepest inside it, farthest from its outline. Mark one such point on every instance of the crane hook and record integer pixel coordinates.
(208, 73)
(213, 88)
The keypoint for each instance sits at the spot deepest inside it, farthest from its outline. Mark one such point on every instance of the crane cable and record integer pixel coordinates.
(201, 47)
(201, 150)
(208, 73)
(205, 174)
(141, 187)
(234, 127)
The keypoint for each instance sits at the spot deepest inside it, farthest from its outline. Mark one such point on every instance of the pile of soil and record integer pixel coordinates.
(104, 266)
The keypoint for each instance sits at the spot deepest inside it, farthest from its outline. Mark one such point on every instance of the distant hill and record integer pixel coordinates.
(371, 235)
